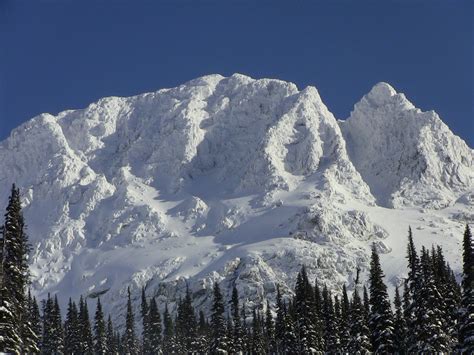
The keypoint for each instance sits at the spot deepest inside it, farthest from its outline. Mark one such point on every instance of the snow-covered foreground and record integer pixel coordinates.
(233, 180)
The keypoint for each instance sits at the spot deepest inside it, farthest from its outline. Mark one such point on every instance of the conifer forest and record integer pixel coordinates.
(432, 311)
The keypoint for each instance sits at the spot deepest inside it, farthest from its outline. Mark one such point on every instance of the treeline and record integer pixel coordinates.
(431, 313)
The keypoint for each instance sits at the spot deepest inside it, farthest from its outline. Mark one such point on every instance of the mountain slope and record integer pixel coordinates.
(234, 180)
(408, 157)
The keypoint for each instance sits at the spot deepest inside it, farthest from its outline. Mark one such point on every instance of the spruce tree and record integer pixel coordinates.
(359, 341)
(86, 344)
(57, 333)
(466, 321)
(219, 340)
(100, 331)
(330, 333)
(35, 319)
(258, 346)
(399, 325)
(237, 337)
(110, 335)
(338, 323)
(270, 343)
(146, 346)
(380, 316)
(169, 343)
(309, 336)
(14, 278)
(186, 323)
(345, 320)
(129, 337)
(428, 313)
(203, 334)
(47, 341)
(154, 331)
(280, 321)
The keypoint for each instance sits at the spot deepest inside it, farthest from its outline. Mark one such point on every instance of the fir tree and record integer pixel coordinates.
(186, 323)
(85, 332)
(219, 338)
(203, 334)
(400, 327)
(280, 321)
(257, 346)
(129, 338)
(146, 346)
(154, 324)
(345, 320)
(14, 278)
(237, 337)
(428, 313)
(359, 342)
(270, 343)
(466, 321)
(111, 338)
(337, 323)
(330, 334)
(46, 343)
(169, 345)
(381, 317)
(57, 334)
(100, 331)
(309, 337)
(35, 320)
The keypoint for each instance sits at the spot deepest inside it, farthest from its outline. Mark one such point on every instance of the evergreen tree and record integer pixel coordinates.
(380, 316)
(237, 337)
(337, 323)
(129, 338)
(47, 341)
(466, 321)
(57, 334)
(72, 339)
(400, 327)
(280, 321)
(258, 346)
(330, 334)
(14, 278)
(35, 320)
(86, 344)
(219, 340)
(203, 334)
(428, 313)
(309, 336)
(154, 324)
(359, 342)
(411, 298)
(111, 339)
(270, 343)
(290, 340)
(345, 320)
(186, 323)
(169, 342)
(30, 337)
(146, 346)
(100, 331)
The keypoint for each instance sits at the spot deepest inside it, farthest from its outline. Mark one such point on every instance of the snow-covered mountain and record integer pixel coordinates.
(235, 180)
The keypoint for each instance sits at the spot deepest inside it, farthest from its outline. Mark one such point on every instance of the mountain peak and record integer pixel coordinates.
(381, 93)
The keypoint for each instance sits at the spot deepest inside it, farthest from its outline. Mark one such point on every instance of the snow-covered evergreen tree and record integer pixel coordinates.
(399, 326)
(237, 336)
(129, 337)
(154, 331)
(466, 320)
(100, 331)
(380, 316)
(219, 341)
(359, 342)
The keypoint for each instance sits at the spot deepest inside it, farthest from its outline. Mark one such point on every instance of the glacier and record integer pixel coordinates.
(234, 180)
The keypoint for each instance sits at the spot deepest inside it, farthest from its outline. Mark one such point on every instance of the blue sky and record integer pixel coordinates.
(63, 54)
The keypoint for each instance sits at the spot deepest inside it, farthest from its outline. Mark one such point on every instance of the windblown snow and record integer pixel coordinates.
(234, 180)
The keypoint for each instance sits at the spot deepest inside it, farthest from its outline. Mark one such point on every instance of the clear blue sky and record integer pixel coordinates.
(62, 54)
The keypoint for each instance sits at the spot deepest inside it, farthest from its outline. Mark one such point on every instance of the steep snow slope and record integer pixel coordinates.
(233, 180)
(406, 156)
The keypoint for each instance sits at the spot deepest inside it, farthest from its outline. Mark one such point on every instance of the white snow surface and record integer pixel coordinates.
(234, 180)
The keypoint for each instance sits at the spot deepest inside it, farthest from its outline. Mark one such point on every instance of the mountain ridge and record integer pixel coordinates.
(234, 180)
